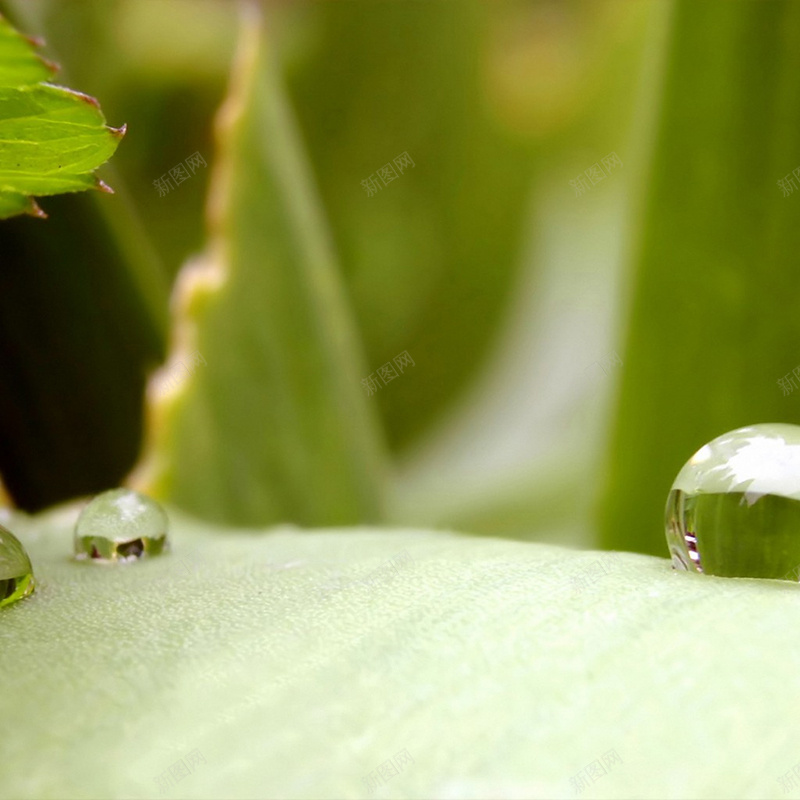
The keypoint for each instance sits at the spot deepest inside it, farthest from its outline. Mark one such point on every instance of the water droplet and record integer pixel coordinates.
(16, 573)
(121, 525)
(734, 509)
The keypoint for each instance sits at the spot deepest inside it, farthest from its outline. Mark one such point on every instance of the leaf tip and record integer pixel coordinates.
(38, 42)
(87, 98)
(34, 41)
(51, 65)
(102, 186)
(35, 210)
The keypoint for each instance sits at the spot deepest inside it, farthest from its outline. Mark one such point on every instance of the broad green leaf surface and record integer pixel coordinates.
(274, 425)
(51, 138)
(70, 136)
(296, 670)
(713, 323)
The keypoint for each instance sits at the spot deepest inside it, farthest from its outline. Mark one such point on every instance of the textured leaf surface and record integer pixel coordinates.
(51, 138)
(502, 668)
(273, 425)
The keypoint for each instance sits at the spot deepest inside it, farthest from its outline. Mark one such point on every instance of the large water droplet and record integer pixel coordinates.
(16, 573)
(734, 509)
(121, 525)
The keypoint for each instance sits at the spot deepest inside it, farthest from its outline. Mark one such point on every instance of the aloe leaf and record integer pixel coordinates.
(299, 662)
(429, 264)
(273, 424)
(51, 138)
(712, 325)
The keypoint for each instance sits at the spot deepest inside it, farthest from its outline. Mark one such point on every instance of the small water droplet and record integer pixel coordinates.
(734, 509)
(16, 573)
(121, 525)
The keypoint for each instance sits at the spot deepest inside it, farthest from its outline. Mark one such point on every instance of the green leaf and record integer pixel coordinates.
(296, 669)
(273, 425)
(429, 264)
(712, 325)
(20, 65)
(51, 138)
(92, 314)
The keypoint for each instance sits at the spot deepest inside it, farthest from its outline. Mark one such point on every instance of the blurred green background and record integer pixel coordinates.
(572, 347)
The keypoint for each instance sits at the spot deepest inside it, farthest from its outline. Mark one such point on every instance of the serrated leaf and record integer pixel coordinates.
(51, 138)
(92, 314)
(12, 204)
(19, 64)
(273, 425)
(299, 662)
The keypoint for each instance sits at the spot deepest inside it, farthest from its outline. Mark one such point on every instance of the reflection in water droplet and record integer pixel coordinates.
(16, 573)
(734, 509)
(121, 525)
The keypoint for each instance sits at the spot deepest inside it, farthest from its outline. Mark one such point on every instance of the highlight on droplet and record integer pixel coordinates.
(734, 508)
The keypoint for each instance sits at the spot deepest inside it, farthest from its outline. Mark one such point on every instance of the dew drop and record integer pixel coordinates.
(16, 573)
(121, 525)
(734, 509)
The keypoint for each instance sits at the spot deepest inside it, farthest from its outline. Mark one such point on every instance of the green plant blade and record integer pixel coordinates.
(51, 138)
(712, 326)
(274, 425)
(430, 265)
(298, 663)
